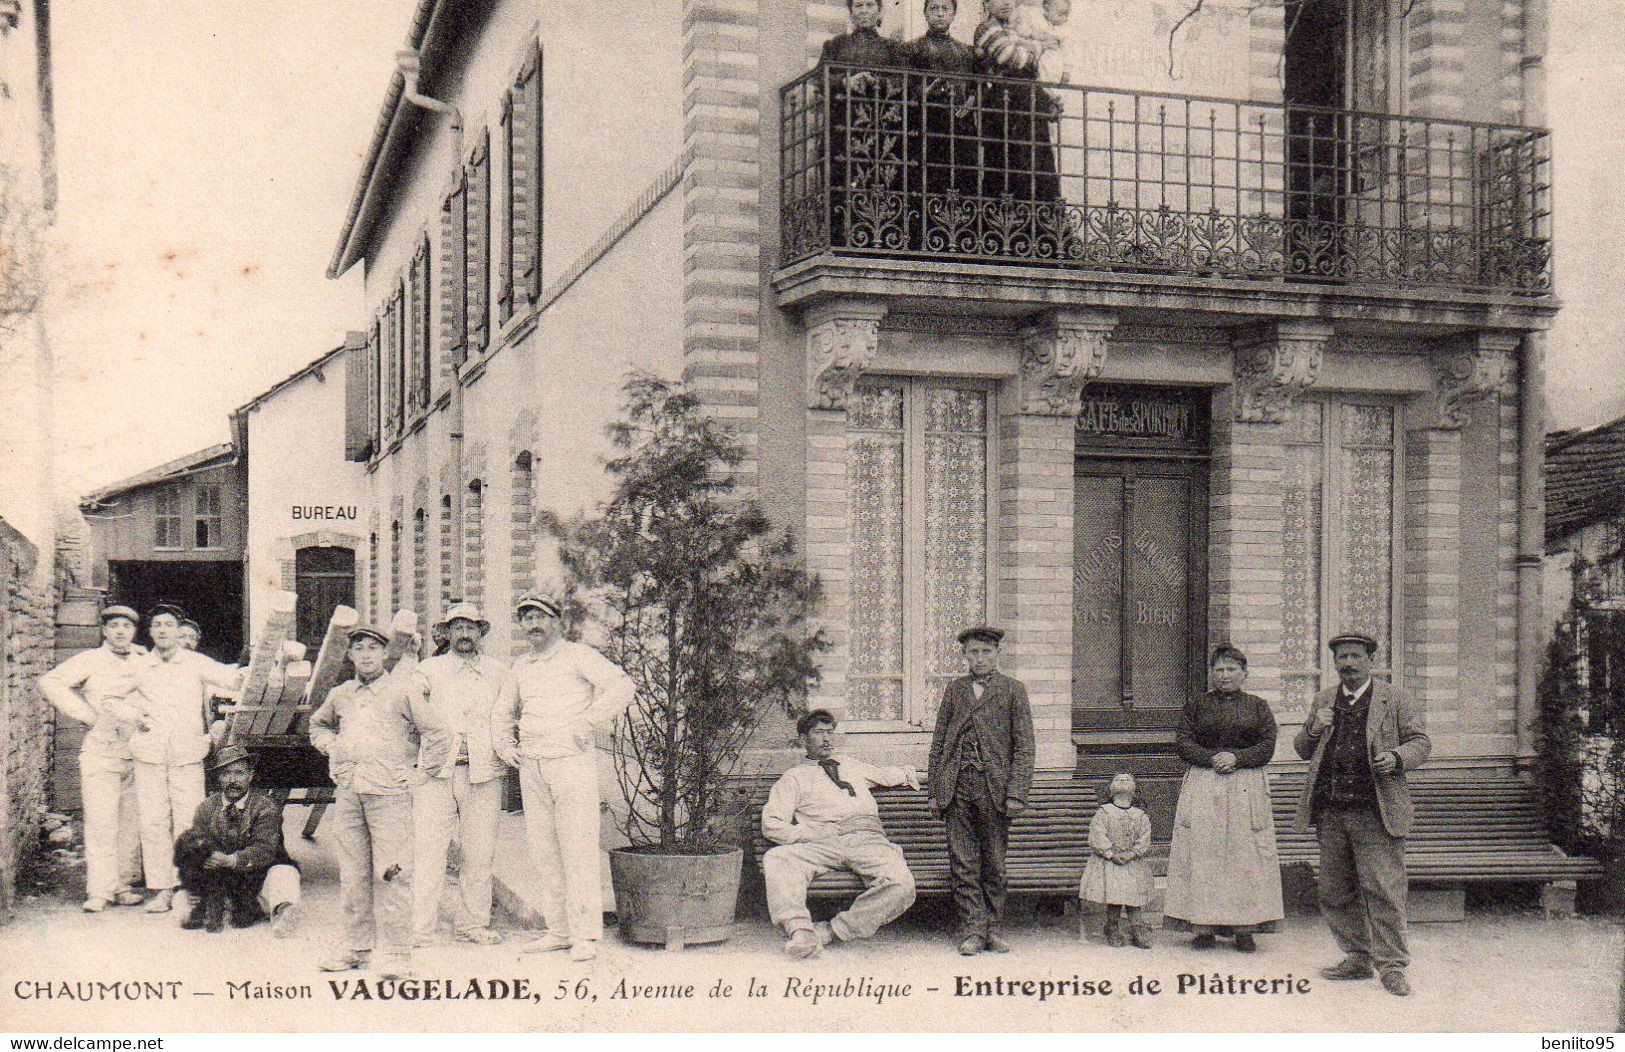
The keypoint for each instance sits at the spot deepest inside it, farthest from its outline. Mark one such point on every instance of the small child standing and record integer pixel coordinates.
(1117, 874)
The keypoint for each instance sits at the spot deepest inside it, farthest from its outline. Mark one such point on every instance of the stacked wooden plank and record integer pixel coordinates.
(403, 642)
(329, 665)
(251, 715)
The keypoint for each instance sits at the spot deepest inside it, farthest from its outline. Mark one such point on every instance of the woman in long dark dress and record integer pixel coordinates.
(1223, 870)
(947, 157)
(865, 113)
(1017, 155)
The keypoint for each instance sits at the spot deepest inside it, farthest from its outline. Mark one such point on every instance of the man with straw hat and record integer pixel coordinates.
(461, 685)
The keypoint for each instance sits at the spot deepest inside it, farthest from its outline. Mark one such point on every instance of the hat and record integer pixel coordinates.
(172, 609)
(1361, 638)
(982, 632)
(536, 602)
(120, 610)
(230, 754)
(466, 612)
(368, 632)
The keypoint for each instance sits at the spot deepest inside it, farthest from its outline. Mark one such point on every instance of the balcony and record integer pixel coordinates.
(912, 166)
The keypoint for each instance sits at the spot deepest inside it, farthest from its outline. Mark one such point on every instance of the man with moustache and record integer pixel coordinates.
(93, 687)
(462, 687)
(170, 743)
(233, 857)
(1361, 738)
(553, 700)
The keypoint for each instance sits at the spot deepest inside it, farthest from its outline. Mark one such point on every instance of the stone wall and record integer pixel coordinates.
(27, 618)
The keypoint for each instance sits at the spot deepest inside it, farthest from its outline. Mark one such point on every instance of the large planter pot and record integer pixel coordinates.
(675, 899)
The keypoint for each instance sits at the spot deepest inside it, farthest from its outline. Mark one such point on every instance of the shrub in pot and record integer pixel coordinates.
(706, 606)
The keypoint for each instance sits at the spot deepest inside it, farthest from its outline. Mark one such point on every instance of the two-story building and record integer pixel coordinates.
(1238, 340)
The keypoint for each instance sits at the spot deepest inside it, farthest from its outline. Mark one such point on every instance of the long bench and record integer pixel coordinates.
(1485, 827)
(1049, 843)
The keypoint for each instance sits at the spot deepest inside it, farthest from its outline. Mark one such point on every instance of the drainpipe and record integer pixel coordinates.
(1531, 542)
(410, 64)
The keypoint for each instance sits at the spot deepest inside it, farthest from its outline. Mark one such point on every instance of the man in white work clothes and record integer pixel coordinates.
(462, 686)
(93, 687)
(170, 743)
(552, 701)
(822, 817)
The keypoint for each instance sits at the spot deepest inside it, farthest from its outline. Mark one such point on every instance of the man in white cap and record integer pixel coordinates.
(551, 702)
(92, 687)
(462, 686)
(381, 739)
(170, 743)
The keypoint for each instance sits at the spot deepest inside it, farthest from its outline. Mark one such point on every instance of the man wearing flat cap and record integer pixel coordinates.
(554, 699)
(233, 859)
(1361, 738)
(93, 687)
(382, 739)
(461, 686)
(981, 770)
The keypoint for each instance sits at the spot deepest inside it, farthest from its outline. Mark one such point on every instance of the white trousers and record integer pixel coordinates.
(561, 823)
(440, 806)
(280, 888)
(168, 797)
(112, 825)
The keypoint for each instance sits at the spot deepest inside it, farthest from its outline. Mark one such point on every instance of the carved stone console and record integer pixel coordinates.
(1060, 354)
(842, 338)
(1274, 363)
(1473, 369)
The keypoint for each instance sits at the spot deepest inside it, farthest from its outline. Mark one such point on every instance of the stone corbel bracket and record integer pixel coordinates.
(1060, 354)
(842, 340)
(1473, 369)
(1274, 364)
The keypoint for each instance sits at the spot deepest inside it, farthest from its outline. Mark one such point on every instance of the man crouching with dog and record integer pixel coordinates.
(233, 858)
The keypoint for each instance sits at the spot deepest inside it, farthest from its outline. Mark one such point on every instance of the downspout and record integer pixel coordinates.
(1531, 542)
(410, 63)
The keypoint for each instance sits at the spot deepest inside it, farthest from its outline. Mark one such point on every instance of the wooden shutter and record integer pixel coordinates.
(422, 359)
(530, 89)
(505, 256)
(397, 319)
(479, 244)
(375, 365)
(454, 268)
(357, 389)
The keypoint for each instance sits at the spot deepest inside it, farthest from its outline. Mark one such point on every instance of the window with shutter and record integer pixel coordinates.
(479, 244)
(386, 333)
(505, 291)
(454, 268)
(422, 344)
(530, 91)
(374, 393)
(397, 320)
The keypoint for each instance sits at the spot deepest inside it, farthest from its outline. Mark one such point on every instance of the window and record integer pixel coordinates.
(454, 269)
(397, 331)
(375, 366)
(529, 263)
(479, 244)
(918, 469)
(520, 274)
(206, 523)
(166, 511)
(420, 565)
(505, 272)
(372, 577)
(420, 349)
(394, 567)
(473, 543)
(1339, 511)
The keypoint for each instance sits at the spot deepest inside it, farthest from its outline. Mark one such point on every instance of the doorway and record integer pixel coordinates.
(324, 579)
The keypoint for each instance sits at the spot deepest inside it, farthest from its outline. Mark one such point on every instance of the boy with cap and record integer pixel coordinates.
(170, 742)
(93, 688)
(381, 739)
(1360, 738)
(461, 686)
(233, 856)
(551, 703)
(981, 769)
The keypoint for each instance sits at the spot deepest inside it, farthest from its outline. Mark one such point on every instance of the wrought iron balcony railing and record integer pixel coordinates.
(885, 162)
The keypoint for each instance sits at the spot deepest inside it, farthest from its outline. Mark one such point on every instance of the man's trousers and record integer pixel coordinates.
(888, 884)
(167, 797)
(561, 823)
(112, 824)
(978, 835)
(373, 834)
(251, 891)
(472, 808)
(1363, 885)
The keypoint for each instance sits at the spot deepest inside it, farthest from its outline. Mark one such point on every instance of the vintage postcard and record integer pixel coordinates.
(811, 515)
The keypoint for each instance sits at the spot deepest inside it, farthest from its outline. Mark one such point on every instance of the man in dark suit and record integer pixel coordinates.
(981, 769)
(233, 856)
(1361, 738)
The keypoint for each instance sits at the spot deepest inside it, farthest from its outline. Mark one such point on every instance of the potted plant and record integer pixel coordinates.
(706, 606)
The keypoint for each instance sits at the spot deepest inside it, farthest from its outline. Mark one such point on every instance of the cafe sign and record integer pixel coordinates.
(1120, 416)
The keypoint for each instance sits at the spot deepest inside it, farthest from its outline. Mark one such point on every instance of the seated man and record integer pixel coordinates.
(233, 855)
(822, 816)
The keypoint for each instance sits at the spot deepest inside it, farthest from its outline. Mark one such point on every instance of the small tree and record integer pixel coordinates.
(703, 604)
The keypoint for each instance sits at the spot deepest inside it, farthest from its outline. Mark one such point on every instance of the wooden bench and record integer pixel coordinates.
(1049, 843)
(1483, 827)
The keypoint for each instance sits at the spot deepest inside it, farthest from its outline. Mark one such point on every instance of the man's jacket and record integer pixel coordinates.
(1394, 723)
(1002, 722)
(252, 833)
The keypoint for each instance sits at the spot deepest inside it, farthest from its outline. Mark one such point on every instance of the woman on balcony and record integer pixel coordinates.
(948, 154)
(1018, 158)
(865, 119)
(1223, 871)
